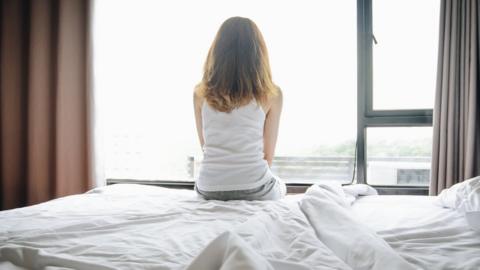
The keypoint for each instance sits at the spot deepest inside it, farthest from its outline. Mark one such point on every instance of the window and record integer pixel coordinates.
(399, 155)
(397, 70)
(148, 55)
(405, 55)
(351, 82)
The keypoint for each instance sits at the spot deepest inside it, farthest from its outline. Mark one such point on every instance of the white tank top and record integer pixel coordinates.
(233, 157)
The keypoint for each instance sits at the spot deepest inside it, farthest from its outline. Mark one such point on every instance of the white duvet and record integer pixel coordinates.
(420, 231)
(353, 242)
(144, 227)
(137, 227)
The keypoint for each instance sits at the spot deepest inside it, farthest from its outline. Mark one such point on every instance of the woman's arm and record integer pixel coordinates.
(270, 130)
(197, 106)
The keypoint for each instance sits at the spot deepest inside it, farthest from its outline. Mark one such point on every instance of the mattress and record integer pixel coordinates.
(147, 227)
(425, 234)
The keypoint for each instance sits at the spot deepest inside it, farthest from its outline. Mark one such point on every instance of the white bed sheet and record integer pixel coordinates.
(146, 227)
(328, 210)
(423, 233)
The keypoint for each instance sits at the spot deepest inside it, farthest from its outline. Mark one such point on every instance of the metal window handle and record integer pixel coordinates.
(374, 39)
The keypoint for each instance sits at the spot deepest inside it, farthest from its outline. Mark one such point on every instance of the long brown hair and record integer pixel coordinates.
(237, 68)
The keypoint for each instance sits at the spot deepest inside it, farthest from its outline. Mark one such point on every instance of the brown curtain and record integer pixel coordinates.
(44, 97)
(456, 119)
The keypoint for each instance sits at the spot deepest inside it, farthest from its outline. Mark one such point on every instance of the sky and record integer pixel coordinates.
(148, 56)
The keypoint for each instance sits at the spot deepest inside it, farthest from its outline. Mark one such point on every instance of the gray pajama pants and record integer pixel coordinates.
(274, 189)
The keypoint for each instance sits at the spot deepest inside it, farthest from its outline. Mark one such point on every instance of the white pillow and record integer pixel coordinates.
(464, 196)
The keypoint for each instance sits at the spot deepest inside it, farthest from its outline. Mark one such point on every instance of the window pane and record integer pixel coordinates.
(399, 155)
(149, 55)
(405, 58)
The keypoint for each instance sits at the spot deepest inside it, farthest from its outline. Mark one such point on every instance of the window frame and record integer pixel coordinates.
(366, 115)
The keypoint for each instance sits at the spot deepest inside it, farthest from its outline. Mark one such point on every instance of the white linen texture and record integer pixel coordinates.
(127, 226)
(465, 198)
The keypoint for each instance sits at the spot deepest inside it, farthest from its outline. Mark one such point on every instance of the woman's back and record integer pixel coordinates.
(233, 149)
(237, 113)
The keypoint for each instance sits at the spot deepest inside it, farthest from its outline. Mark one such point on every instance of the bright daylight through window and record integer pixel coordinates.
(404, 76)
(149, 56)
(405, 56)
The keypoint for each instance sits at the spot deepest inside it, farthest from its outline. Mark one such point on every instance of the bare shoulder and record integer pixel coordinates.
(278, 98)
(274, 101)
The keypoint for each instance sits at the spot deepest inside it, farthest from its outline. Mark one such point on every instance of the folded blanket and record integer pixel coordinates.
(352, 192)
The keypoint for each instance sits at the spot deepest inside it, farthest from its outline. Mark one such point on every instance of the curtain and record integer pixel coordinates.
(456, 119)
(44, 98)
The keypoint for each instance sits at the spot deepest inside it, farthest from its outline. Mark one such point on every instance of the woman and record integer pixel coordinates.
(237, 112)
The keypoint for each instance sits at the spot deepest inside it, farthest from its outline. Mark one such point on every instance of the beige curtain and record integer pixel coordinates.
(44, 100)
(456, 119)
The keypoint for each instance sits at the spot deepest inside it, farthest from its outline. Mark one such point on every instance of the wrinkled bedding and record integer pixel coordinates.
(351, 241)
(147, 227)
(426, 235)
(142, 227)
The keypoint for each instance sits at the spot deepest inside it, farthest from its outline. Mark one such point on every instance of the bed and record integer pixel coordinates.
(127, 226)
(426, 235)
